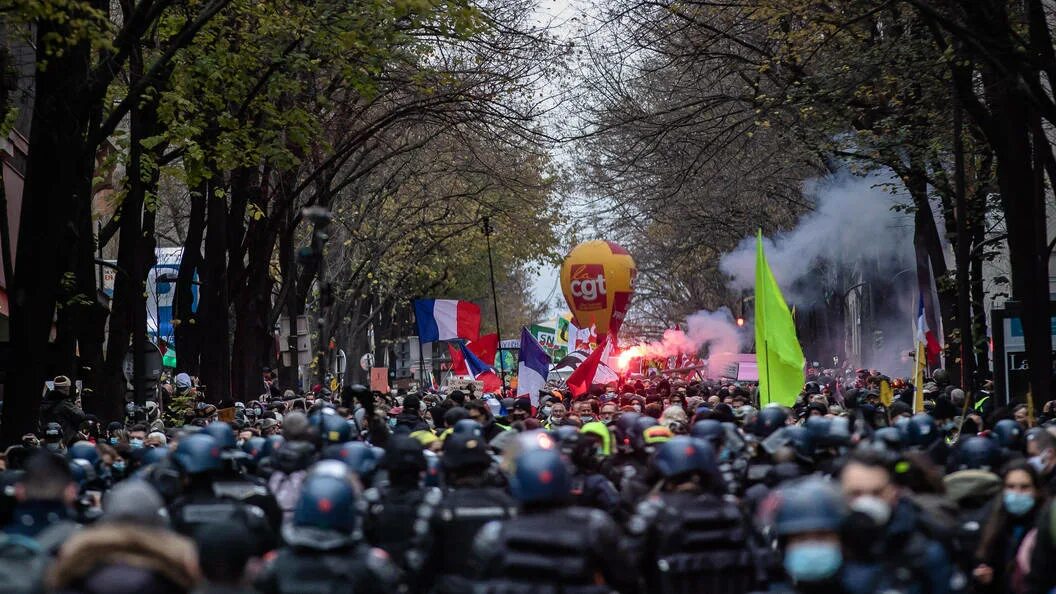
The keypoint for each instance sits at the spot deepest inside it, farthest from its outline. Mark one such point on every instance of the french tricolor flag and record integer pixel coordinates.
(446, 319)
(926, 336)
(479, 370)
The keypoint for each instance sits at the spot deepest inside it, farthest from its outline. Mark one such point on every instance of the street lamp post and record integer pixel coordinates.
(495, 303)
(320, 216)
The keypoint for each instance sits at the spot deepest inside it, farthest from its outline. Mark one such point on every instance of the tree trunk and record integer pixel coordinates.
(963, 251)
(1022, 197)
(213, 316)
(188, 330)
(58, 175)
(254, 341)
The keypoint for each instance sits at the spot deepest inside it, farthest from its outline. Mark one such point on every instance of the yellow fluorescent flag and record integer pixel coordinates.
(887, 395)
(779, 355)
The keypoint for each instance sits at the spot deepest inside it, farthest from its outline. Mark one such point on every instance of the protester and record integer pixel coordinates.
(1013, 515)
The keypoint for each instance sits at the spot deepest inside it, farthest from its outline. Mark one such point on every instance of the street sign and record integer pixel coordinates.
(303, 358)
(366, 361)
(284, 326)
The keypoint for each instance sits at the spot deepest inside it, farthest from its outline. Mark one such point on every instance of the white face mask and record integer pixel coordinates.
(875, 508)
(1040, 461)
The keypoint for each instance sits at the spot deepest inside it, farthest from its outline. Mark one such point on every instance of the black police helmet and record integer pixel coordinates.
(540, 476)
(683, 455)
(327, 502)
(198, 453)
(977, 453)
(465, 451)
(809, 505)
(223, 433)
(403, 455)
(769, 419)
(1009, 434)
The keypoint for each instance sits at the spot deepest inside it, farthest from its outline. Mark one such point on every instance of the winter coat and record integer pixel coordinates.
(116, 558)
(59, 408)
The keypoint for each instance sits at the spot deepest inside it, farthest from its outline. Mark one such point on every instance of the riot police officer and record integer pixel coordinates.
(688, 537)
(586, 449)
(732, 468)
(469, 503)
(549, 546)
(198, 458)
(233, 482)
(807, 523)
(323, 551)
(394, 508)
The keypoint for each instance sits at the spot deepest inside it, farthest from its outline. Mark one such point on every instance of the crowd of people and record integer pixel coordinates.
(656, 485)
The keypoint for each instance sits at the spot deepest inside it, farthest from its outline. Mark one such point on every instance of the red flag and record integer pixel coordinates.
(581, 379)
(484, 348)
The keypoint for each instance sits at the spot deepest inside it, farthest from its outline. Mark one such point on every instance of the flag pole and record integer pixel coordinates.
(769, 386)
(421, 364)
(495, 304)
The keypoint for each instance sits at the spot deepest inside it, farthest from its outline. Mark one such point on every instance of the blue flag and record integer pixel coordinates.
(533, 365)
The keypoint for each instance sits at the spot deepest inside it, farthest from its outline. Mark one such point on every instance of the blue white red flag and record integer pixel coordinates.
(533, 365)
(479, 370)
(446, 319)
(926, 336)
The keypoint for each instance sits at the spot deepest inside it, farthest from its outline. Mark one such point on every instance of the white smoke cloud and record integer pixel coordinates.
(852, 218)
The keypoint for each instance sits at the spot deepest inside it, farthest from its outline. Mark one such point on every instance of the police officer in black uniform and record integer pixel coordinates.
(590, 488)
(732, 466)
(808, 521)
(469, 503)
(324, 552)
(393, 509)
(198, 458)
(688, 537)
(549, 546)
(232, 481)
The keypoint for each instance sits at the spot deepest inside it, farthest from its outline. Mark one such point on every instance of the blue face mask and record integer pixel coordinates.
(135, 444)
(118, 468)
(813, 561)
(1017, 503)
(113, 441)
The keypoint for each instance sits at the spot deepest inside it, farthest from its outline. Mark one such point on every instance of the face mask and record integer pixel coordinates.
(1017, 503)
(113, 441)
(1038, 462)
(813, 561)
(118, 468)
(875, 508)
(546, 411)
(135, 444)
(586, 418)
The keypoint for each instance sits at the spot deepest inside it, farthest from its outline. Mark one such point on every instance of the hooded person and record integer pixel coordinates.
(59, 407)
(411, 415)
(130, 550)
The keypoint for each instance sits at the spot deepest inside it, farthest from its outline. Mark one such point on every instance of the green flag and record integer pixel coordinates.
(777, 349)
